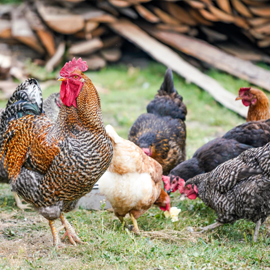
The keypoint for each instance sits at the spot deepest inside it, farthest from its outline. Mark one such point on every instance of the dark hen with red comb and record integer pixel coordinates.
(161, 132)
(239, 139)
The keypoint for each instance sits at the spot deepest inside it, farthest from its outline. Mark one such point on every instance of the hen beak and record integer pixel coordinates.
(238, 98)
(169, 191)
(61, 79)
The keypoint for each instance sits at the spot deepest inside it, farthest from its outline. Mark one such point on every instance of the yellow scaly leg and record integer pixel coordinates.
(135, 224)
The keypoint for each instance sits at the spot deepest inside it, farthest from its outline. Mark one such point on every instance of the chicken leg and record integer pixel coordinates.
(56, 239)
(135, 224)
(70, 232)
(257, 228)
(19, 202)
(210, 227)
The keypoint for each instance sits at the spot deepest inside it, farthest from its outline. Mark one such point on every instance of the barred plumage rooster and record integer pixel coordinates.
(236, 189)
(52, 165)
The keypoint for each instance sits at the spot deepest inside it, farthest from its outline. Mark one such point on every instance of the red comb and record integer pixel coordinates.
(72, 65)
(244, 89)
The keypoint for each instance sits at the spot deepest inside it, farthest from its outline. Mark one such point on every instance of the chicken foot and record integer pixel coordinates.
(257, 228)
(19, 202)
(70, 232)
(210, 227)
(56, 239)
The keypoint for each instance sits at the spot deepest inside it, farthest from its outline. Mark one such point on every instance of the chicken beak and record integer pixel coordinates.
(238, 98)
(169, 191)
(61, 79)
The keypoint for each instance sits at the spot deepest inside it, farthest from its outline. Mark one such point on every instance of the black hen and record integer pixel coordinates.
(236, 189)
(161, 132)
(243, 137)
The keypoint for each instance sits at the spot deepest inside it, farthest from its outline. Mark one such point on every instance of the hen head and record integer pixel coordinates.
(147, 143)
(250, 96)
(171, 183)
(72, 81)
(189, 191)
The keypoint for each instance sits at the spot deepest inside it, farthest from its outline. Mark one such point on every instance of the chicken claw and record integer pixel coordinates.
(210, 227)
(19, 202)
(70, 232)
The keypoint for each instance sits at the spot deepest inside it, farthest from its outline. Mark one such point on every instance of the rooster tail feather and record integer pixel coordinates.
(26, 99)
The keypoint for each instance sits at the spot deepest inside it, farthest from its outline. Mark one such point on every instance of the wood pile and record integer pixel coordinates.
(225, 34)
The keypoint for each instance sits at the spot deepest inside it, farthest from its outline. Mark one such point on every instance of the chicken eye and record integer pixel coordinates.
(75, 76)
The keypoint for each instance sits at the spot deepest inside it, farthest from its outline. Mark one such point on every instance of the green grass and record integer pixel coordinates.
(25, 237)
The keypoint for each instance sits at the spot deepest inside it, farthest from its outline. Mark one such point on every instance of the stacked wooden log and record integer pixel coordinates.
(51, 27)
(50, 32)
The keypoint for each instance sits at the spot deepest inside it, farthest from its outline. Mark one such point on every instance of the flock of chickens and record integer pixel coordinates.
(53, 152)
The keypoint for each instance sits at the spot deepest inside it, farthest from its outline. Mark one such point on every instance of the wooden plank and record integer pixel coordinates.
(198, 17)
(165, 17)
(173, 28)
(224, 17)
(195, 4)
(241, 22)
(179, 13)
(172, 59)
(249, 54)
(215, 57)
(208, 15)
(241, 8)
(265, 29)
(90, 26)
(21, 30)
(111, 55)
(94, 62)
(44, 34)
(120, 3)
(5, 29)
(261, 11)
(146, 14)
(86, 47)
(57, 57)
(258, 21)
(59, 19)
(225, 6)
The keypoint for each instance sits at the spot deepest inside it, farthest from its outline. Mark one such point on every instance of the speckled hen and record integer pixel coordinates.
(236, 189)
(52, 165)
(161, 132)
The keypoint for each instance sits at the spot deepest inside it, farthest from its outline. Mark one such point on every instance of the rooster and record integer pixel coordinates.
(161, 132)
(239, 139)
(257, 101)
(51, 106)
(132, 182)
(52, 165)
(236, 189)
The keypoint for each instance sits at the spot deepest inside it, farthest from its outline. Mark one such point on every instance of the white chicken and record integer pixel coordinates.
(133, 181)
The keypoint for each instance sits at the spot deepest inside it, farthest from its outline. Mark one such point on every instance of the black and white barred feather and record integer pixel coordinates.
(238, 188)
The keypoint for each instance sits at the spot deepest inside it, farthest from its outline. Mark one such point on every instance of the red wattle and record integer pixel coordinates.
(69, 92)
(246, 102)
